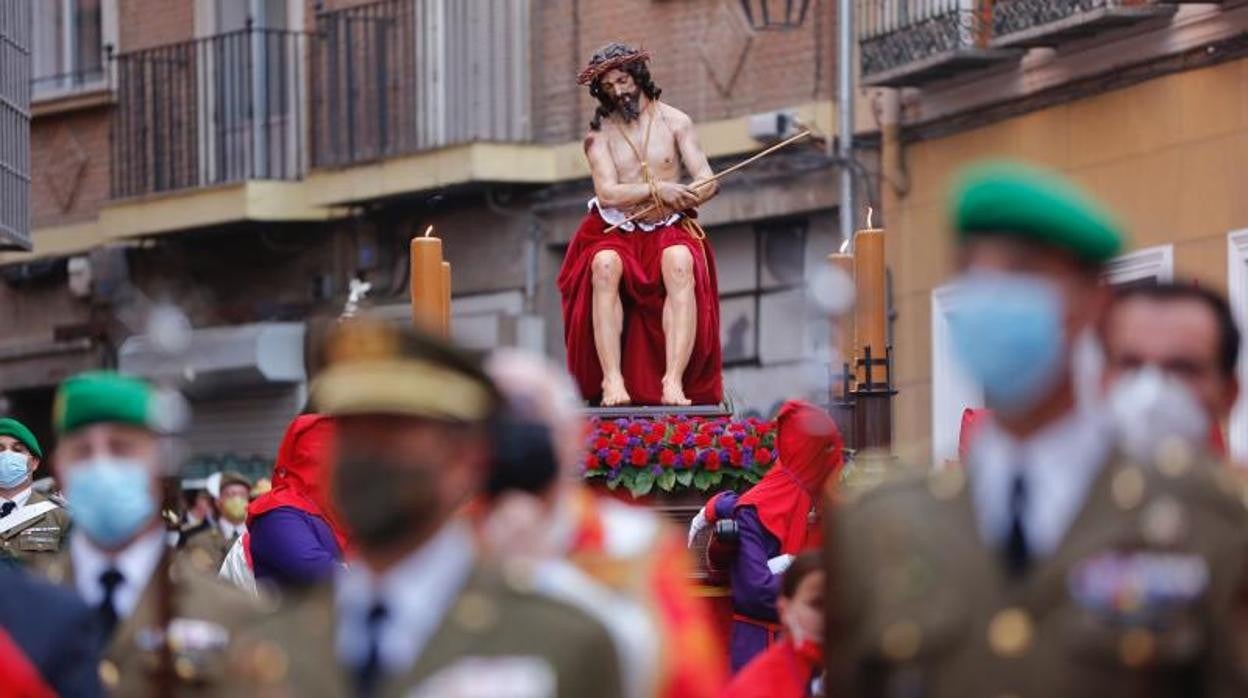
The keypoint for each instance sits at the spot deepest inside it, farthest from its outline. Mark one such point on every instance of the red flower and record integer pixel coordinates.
(702, 440)
(689, 457)
(736, 457)
(682, 428)
(727, 441)
(750, 442)
(600, 443)
(607, 427)
(659, 430)
(614, 457)
(712, 461)
(638, 457)
(666, 458)
(706, 427)
(635, 429)
(592, 462)
(766, 427)
(619, 441)
(762, 456)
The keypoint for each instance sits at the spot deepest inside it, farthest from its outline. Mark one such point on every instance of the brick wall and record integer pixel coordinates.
(778, 69)
(145, 23)
(69, 166)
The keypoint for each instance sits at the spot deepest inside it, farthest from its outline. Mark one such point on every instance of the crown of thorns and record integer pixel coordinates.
(609, 58)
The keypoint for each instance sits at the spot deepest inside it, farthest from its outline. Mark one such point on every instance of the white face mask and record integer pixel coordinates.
(1150, 408)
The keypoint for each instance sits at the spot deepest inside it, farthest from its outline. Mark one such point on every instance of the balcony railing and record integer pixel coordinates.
(402, 76)
(15, 215)
(215, 110)
(906, 42)
(1048, 22)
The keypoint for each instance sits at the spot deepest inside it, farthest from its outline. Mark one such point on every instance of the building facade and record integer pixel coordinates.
(15, 24)
(1143, 103)
(245, 160)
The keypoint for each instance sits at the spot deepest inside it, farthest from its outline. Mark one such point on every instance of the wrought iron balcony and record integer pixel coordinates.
(912, 42)
(398, 77)
(221, 109)
(1028, 23)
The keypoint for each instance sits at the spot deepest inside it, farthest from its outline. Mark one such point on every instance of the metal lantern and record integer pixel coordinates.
(775, 14)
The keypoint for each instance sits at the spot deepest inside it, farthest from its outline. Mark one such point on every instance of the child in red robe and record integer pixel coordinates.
(793, 666)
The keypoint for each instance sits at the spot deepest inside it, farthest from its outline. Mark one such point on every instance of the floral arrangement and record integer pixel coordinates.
(679, 452)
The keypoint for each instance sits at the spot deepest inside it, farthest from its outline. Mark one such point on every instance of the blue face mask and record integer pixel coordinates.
(111, 499)
(1007, 328)
(12, 468)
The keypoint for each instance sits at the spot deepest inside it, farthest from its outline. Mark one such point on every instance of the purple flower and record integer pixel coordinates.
(657, 470)
(634, 442)
(602, 454)
(621, 423)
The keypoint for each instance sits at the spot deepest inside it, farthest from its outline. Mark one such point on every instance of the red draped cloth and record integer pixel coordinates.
(783, 671)
(18, 676)
(643, 350)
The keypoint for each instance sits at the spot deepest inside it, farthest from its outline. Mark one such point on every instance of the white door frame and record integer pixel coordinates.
(1237, 291)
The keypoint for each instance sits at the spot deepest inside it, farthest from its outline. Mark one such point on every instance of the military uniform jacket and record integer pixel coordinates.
(1145, 595)
(496, 628)
(205, 545)
(206, 621)
(42, 534)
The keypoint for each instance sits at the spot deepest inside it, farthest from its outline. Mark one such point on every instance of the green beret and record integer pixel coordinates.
(1006, 198)
(14, 428)
(102, 396)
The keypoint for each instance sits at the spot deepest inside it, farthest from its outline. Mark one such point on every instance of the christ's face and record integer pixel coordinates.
(623, 92)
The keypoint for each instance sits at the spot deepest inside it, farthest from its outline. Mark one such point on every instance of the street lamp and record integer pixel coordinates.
(775, 14)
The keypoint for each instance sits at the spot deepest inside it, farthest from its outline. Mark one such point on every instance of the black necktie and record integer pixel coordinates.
(7, 508)
(1017, 557)
(107, 610)
(368, 674)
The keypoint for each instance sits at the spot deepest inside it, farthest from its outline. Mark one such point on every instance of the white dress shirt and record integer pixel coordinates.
(231, 530)
(136, 562)
(20, 498)
(417, 594)
(1058, 464)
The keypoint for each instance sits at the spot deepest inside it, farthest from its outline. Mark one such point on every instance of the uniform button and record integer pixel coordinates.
(1174, 457)
(1163, 522)
(1137, 647)
(1009, 632)
(110, 676)
(901, 641)
(475, 612)
(1127, 488)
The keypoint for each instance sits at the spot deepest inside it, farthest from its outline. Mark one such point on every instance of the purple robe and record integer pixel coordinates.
(290, 547)
(754, 587)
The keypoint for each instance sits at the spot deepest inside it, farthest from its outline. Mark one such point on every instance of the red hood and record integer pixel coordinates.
(301, 474)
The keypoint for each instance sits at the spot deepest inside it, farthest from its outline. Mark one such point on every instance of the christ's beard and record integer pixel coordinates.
(628, 107)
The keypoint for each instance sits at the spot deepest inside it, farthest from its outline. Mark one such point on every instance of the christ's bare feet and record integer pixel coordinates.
(674, 393)
(613, 392)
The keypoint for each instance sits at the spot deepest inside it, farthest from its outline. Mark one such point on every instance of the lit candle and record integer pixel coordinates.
(446, 299)
(870, 313)
(843, 324)
(426, 281)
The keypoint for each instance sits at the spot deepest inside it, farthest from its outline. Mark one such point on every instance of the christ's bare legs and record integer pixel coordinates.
(680, 316)
(608, 315)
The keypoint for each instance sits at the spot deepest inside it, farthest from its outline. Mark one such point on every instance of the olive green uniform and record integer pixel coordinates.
(205, 545)
(496, 617)
(1145, 595)
(207, 617)
(39, 536)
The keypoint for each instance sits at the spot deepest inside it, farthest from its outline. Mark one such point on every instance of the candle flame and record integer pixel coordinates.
(429, 231)
(870, 215)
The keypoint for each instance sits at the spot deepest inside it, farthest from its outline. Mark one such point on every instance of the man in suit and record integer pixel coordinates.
(30, 523)
(417, 612)
(52, 628)
(1052, 564)
(110, 459)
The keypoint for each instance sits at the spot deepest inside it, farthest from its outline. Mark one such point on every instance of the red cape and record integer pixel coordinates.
(643, 349)
(779, 672)
(301, 474)
(810, 449)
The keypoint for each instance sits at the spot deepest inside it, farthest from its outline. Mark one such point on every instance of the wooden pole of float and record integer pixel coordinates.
(426, 282)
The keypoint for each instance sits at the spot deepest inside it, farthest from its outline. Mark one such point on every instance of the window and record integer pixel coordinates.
(761, 274)
(68, 45)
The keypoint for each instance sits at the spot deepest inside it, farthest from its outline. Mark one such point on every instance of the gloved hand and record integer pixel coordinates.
(696, 526)
(779, 563)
